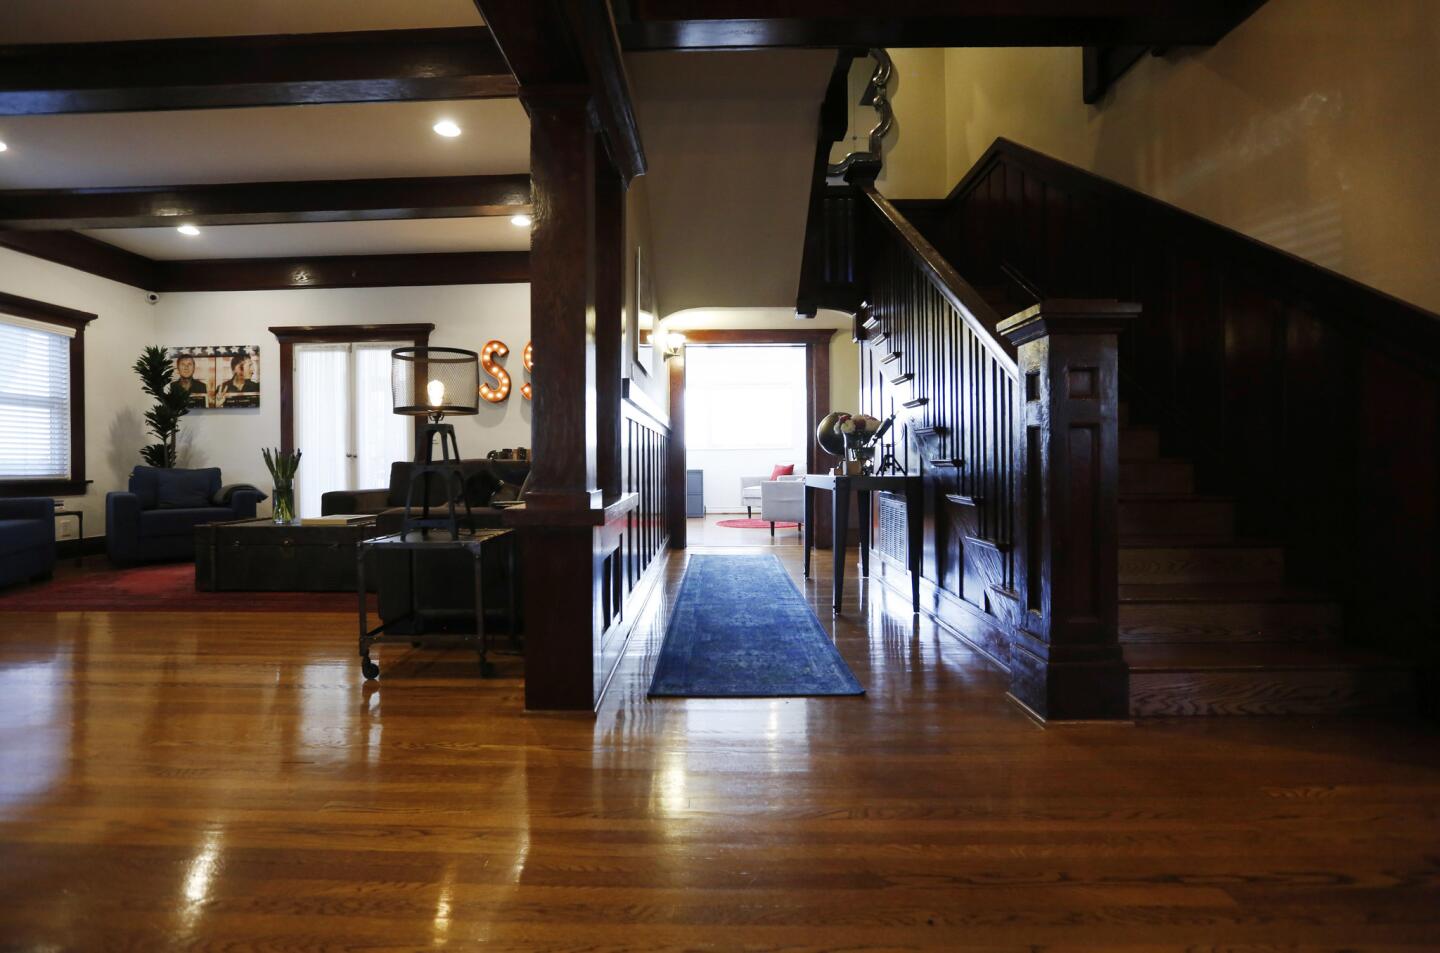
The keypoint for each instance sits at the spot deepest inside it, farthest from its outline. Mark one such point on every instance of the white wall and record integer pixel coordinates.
(114, 405)
(726, 464)
(464, 316)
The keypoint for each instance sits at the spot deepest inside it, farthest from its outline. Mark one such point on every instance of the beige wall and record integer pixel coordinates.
(1312, 127)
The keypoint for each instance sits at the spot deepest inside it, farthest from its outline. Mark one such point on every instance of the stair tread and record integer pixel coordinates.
(1252, 656)
(1197, 542)
(1174, 498)
(1220, 592)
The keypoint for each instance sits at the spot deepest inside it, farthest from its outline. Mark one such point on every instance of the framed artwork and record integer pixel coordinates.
(218, 378)
(643, 323)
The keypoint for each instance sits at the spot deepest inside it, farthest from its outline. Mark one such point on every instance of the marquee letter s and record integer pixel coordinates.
(501, 390)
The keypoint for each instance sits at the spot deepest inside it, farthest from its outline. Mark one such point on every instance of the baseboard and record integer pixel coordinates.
(71, 548)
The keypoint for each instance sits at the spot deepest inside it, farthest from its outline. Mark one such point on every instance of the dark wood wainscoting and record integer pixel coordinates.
(1310, 400)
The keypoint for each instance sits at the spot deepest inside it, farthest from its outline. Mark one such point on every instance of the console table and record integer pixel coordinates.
(840, 488)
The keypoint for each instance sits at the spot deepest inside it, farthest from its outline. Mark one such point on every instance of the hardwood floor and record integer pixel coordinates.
(227, 782)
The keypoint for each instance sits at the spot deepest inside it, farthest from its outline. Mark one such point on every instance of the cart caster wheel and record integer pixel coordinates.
(369, 669)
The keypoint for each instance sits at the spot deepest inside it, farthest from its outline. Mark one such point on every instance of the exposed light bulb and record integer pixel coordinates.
(3, 146)
(520, 221)
(447, 128)
(674, 341)
(435, 390)
(190, 230)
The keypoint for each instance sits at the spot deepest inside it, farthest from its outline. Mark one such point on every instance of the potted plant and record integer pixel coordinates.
(860, 433)
(157, 372)
(282, 467)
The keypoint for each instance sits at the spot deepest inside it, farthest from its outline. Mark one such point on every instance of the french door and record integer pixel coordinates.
(344, 427)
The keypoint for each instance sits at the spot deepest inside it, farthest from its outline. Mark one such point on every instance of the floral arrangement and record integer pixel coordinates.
(861, 433)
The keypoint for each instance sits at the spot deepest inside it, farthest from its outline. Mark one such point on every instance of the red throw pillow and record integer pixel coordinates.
(779, 471)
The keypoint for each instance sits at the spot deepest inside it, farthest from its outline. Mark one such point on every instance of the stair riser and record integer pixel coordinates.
(1168, 622)
(1201, 564)
(1304, 692)
(1139, 444)
(1162, 477)
(1205, 518)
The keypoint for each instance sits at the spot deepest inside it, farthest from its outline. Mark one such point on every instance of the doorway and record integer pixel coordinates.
(809, 349)
(343, 419)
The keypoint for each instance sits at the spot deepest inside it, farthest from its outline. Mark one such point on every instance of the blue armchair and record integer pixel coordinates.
(156, 519)
(27, 538)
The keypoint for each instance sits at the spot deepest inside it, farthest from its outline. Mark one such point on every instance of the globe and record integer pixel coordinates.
(830, 439)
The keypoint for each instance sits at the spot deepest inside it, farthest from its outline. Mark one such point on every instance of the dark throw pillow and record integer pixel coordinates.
(222, 496)
(185, 489)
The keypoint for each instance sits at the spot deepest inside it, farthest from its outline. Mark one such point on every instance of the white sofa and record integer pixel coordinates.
(783, 501)
(750, 492)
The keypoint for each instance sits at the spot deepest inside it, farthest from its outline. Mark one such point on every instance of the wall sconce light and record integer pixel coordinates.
(671, 344)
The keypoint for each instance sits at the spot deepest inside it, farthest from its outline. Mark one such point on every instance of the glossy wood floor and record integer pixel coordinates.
(227, 783)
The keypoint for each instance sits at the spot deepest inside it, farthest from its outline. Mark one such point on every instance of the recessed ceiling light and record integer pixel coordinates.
(3, 146)
(520, 221)
(446, 128)
(190, 230)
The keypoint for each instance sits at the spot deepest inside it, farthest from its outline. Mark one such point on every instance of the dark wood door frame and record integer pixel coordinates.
(816, 342)
(418, 334)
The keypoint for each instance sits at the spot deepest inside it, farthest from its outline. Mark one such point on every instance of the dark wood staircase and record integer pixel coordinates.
(1208, 623)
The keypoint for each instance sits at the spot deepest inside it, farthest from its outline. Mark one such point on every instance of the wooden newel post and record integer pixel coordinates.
(1066, 662)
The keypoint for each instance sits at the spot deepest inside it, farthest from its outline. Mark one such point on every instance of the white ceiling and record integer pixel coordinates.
(91, 21)
(322, 238)
(350, 141)
(730, 141)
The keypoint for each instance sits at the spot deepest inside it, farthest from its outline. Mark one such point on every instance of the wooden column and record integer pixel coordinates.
(609, 297)
(1066, 662)
(558, 550)
(562, 298)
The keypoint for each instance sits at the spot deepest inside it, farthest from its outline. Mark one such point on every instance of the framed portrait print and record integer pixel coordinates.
(218, 377)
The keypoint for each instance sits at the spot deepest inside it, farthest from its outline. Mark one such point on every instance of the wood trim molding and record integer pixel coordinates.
(77, 321)
(289, 336)
(806, 336)
(214, 72)
(765, 24)
(263, 203)
(345, 271)
(86, 254)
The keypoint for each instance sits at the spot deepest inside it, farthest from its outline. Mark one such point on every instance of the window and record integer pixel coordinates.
(42, 413)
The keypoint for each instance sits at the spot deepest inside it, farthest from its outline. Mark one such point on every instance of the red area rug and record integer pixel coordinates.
(755, 524)
(166, 588)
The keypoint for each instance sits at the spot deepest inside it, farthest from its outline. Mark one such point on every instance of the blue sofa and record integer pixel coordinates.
(156, 519)
(27, 539)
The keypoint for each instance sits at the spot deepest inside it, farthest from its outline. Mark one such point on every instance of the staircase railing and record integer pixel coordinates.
(1013, 426)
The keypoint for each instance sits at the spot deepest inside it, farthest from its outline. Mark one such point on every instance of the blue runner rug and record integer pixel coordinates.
(741, 629)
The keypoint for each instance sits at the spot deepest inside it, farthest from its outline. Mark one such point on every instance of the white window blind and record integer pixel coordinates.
(34, 400)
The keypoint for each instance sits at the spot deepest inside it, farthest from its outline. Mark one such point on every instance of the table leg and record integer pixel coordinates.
(809, 526)
(915, 544)
(368, 668)
(510, 606)
(864, 501)
(481, 632)
(840, 504)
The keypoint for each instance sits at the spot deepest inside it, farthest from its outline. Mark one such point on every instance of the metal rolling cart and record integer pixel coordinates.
(469, 541)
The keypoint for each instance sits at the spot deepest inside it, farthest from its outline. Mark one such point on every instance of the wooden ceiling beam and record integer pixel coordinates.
(345, 271)
(262, 203)
(550, 44)
(760, 24)
(218, 72)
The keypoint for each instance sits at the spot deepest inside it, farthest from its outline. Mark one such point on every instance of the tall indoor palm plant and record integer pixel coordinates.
(157, 372)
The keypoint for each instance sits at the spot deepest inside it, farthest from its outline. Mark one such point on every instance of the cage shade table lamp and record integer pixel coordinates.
(435, 383)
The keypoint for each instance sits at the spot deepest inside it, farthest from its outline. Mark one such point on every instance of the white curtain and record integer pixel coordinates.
(34, 399)
(322, 422)
(381, 436)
